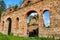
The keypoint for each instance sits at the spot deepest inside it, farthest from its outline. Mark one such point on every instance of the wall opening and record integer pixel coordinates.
(33, 33)
(17, 23)
(32, 21)
(29, 1)
(32, 18)
(9, 25)
(17, 19)
(46, 18)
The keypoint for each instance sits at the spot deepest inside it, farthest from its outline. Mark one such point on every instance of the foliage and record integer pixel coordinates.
(15, 7)
(2, 6)
(34, 24)
(28, 24)
(11, 37)
(48, 27)
(11, 34)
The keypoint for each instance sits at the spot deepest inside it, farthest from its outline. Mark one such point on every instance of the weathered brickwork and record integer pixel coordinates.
(19, 18)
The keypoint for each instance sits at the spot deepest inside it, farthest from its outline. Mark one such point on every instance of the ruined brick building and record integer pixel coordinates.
(15, 21)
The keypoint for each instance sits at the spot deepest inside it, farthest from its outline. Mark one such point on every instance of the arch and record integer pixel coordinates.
(34, 33)
(32, 15)
(17, 19)
(17, 22)
(9, 25)
(32, 11)
(32, 18)
(46, 18)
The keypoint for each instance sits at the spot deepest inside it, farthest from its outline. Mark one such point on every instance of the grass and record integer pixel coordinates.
(12, 37)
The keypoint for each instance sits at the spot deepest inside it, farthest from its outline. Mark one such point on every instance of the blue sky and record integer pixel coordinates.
(46, 14)
(12, 2)
(46, 17)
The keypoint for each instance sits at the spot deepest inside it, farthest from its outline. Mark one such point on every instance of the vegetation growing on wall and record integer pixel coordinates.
(15, 7)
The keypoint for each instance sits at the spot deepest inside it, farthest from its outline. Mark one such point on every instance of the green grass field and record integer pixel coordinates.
(12, 37)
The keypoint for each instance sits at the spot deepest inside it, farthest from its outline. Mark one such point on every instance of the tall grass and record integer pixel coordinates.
(12, 37)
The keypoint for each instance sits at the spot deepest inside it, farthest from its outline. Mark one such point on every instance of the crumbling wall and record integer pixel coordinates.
(51, 5)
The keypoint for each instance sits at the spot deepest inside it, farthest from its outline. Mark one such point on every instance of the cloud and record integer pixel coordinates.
(47, 22)
(33, 14)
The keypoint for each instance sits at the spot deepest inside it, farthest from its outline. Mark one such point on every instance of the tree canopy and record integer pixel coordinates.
(2, 6)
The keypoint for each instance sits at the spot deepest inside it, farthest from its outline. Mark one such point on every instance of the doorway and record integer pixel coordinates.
(34, 33)
(9, 25)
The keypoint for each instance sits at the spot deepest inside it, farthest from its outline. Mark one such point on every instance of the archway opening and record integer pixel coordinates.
(34, 33)
(32, 22)
(17, 19)
(32, 18)
(17, 23)
(9, 25)
(46, 18)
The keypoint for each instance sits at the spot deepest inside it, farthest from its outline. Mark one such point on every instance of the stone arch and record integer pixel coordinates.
(9, 25)
(17, 26)
(17, 23)
(29, 12)
(46, 18)
(33, 15)
(33, 32)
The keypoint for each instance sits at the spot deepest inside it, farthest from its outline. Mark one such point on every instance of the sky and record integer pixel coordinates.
(46, 14)
(46, 18)
(12, 2)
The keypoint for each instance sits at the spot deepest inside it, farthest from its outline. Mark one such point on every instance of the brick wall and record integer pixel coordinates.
(52, 6)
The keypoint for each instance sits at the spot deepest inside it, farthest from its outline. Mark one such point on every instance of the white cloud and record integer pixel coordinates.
(32, 14)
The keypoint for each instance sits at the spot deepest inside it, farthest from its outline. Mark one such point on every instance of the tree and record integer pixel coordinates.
(2, 6)
(15, 7)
